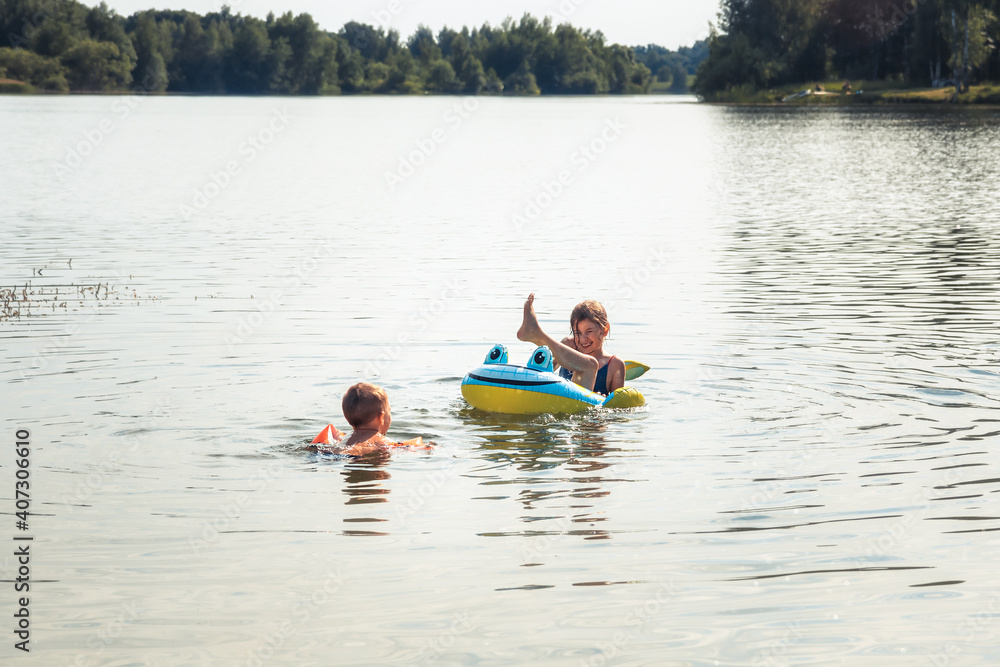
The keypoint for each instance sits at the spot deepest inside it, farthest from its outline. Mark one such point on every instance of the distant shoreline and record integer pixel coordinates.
(82, 49)
(27, 89)
(862, 93)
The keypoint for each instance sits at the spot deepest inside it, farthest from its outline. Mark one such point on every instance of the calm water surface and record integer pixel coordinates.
(814, 480)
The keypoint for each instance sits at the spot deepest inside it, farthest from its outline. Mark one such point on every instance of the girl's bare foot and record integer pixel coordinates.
(583, 365)
(529, 326)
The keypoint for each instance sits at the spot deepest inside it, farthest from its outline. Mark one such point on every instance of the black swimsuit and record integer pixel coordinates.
(600, 382)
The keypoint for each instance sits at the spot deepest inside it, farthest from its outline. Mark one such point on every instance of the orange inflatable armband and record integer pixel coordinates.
(328, 436)
(417, 442)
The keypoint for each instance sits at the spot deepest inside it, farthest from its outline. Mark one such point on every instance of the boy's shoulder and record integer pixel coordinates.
(380, 443)
(375, 444)
(331, 440)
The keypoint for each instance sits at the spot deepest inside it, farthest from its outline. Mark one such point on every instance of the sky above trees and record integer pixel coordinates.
(672, 23)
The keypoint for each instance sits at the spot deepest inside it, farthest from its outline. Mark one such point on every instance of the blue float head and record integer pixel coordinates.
(541, 359)
(497, 355)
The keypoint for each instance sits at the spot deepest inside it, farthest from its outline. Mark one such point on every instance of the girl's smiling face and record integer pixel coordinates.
(588, 336)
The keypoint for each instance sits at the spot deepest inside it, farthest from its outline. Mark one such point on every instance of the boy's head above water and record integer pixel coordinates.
(366, 406)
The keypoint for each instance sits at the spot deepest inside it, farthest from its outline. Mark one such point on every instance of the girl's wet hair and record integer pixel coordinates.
(593, 311)
(363, 402)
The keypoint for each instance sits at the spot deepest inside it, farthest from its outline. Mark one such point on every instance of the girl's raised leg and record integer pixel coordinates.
(584, 366)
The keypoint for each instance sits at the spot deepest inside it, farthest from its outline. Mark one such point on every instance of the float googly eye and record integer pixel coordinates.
(541, 359)
(497, 355)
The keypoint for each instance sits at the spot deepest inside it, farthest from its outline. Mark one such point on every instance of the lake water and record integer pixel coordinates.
(814, 479)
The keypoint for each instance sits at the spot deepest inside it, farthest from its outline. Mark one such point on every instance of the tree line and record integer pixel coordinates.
(63, 45)
(761, 44)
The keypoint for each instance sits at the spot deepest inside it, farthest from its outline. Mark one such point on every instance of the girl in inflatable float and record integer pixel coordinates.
(588, 376)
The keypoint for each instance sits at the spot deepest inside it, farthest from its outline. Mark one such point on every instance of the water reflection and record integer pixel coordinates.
(561, 463)
(364, 482)
(540, 442)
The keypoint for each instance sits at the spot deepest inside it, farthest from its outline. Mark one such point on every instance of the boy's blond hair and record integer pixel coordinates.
(593, 311)
(363, 402)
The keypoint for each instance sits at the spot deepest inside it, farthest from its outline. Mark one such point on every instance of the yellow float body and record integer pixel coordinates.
(498, 386)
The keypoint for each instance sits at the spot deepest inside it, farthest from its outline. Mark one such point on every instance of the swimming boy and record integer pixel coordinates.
(366, 408)
(582, 354)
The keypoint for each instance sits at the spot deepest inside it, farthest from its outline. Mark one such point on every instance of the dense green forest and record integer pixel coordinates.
(63, 45)
(766, 43)
(673, 67)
